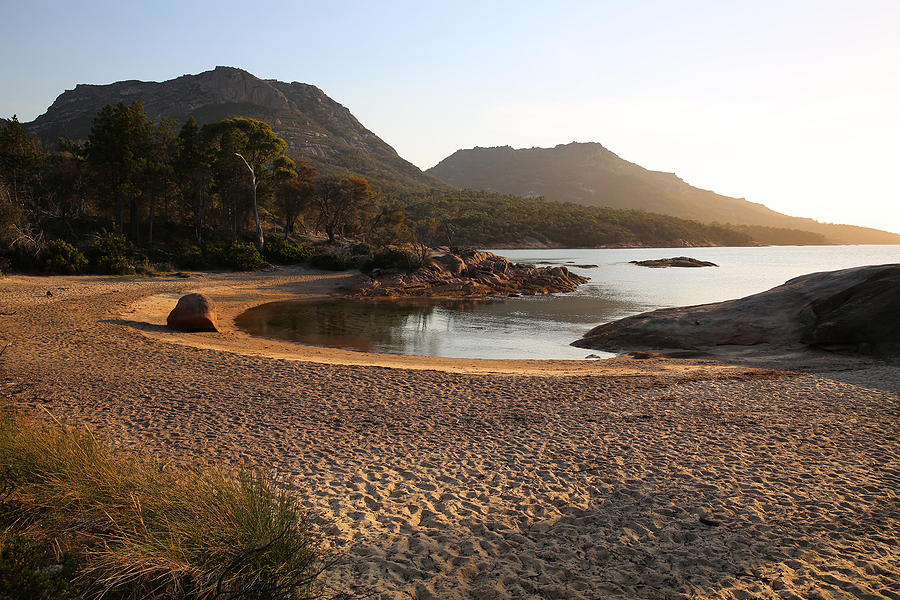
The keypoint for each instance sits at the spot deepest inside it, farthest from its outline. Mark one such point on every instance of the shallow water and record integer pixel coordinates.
(542, 327)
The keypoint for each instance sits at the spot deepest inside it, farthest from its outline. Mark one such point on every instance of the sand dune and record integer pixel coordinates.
(440, 478)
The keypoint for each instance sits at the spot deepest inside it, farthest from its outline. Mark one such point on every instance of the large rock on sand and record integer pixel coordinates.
(194, 312)
(853, 311)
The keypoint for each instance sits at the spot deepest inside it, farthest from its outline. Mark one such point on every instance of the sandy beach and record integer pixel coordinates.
(734, 476)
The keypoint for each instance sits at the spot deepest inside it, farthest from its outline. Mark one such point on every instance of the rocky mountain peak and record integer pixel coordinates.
(174, 99)
(316, 128)
(229, 84)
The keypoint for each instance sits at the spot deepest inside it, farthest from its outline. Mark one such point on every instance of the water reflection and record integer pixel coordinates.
(542, 327)
(405, 326)
(531, 327)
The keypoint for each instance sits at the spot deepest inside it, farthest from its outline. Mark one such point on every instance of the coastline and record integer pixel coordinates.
(453, 478)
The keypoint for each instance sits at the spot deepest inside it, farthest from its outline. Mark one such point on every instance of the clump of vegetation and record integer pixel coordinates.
(243, 257)
(331, 260)
(140, 529)
(190, 256)
(283, 252)
(25, 574)
(111, 255)
(386, 259)
(63, 258)
(197, 257)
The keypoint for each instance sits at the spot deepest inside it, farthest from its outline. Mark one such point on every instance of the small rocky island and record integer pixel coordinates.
(474, 275)
(850, 311)
(678, 261)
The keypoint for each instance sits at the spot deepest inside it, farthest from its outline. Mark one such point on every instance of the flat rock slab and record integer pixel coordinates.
(851, 311)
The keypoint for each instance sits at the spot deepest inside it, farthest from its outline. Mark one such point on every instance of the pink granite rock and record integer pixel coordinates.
(194, 312)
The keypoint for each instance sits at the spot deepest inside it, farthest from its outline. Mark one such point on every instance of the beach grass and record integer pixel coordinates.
(143, 529)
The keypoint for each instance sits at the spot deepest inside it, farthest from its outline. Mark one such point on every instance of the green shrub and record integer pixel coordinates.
(158, 255)
(281, 251)
(28, 572)
(111, 255)
(331, 262)
(191, 257)
(388, 258)
(362, 248)
(243, 257)
(154, 530)
(62, 258)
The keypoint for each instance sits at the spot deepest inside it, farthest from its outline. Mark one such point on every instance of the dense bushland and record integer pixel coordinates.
(138, 196)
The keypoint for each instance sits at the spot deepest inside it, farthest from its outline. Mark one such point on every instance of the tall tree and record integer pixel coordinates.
(191, 165)
(119, 148)
(340, 201)
(20, 157)
(244, 145)
(68, 185)
(159, 176)
(294, 195)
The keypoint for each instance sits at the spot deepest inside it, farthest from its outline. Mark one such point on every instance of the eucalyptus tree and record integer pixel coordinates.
(242, 147)
(340, 201)
(386, 223)
(68, 186)
(294, 194)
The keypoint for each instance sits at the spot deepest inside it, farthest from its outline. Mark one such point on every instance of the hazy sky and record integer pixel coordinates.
(795, 105)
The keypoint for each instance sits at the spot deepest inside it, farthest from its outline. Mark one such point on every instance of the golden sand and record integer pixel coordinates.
(448, 478)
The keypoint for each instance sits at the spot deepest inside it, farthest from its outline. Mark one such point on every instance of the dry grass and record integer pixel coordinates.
(148, 530)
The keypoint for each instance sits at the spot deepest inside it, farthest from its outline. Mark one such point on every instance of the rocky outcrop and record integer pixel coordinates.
(863, 318)
(855, 311)
(194, 312)
(678, 261)
(475, 275)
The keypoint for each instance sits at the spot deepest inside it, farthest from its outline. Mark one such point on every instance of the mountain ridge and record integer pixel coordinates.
(592, 175)
(317, 129)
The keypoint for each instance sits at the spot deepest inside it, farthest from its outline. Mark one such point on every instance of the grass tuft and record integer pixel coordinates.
(143, 529)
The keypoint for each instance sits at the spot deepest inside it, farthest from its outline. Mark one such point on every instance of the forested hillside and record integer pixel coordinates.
(468, 217)
(591, 175)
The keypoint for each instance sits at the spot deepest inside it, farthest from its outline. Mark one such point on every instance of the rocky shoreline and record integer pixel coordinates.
(852, 311)
(474, 275)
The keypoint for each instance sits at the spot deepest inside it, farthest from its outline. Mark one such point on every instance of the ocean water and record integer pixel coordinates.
(542, 327)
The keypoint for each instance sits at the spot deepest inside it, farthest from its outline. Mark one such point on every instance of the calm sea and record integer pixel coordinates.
(543, 327)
